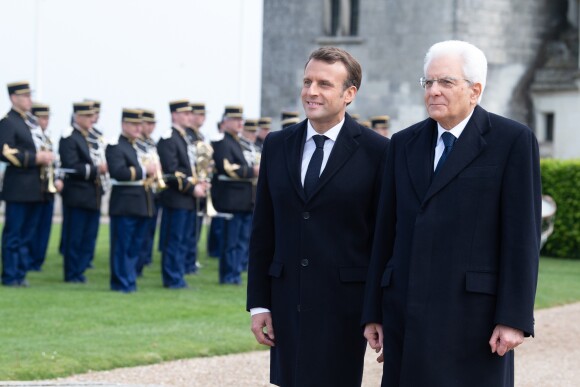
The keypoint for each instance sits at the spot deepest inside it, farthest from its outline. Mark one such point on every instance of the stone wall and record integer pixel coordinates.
(393, 38)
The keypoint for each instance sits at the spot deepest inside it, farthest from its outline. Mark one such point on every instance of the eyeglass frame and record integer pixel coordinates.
(423, 82)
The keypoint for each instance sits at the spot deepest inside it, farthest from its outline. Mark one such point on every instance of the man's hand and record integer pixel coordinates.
(200, 189)
(374, 335)
(504, 339)
(44, 157)
(259, 322)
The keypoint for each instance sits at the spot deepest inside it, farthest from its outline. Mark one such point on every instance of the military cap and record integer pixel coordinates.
(197, 107)
(148, 115)
(290, 114)
(380, 121)
(131, 115)
(83, 108)
(251, 125)
(234, 112)
(22, 87)
(40, 110)
(96, 105)
(265, 122)
(290, 121)
(181, 105)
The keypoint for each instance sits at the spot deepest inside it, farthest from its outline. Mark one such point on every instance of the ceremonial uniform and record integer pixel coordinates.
(44, 225)
(21, 190)
(177, 200)
(130, 207)
(230, 191)
(81, 198)
(147, 145)
(194, 221)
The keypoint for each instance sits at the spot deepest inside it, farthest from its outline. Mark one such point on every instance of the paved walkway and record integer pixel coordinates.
(552, 359)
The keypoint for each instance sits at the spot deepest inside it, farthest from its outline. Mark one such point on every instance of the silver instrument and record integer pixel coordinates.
(42, 143)
(97, 147)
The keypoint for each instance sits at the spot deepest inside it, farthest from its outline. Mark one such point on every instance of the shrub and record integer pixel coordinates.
(561, 180)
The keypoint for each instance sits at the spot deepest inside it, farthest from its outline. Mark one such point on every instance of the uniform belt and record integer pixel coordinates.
(127, 183)
(227, 178)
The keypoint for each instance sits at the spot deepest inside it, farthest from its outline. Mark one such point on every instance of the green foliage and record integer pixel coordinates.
(54, 329)
(561, 180)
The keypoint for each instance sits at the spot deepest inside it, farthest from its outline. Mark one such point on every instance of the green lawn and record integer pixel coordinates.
(55, 329)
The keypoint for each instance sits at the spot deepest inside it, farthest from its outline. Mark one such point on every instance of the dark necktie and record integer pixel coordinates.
(313, 171)
(448, 140)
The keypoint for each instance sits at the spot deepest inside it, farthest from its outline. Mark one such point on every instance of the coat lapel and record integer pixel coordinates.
(469, 145)
(293, 147)
(419, 155)
(343, 148)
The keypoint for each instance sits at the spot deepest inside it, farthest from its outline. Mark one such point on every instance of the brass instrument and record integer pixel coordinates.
(148, 154)
(42, 143)
(203, 166)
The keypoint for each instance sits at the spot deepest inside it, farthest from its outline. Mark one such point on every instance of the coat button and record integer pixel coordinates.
(304, 262)
(306, 215)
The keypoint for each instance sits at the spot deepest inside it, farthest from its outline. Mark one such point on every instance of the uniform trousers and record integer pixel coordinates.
(41, 236)
(174, 248)
(146, 251)
(17, 237)
(191, 243)
(80, 228)
(215, 237)
(235, 244)
(246, 232)
(127, 234)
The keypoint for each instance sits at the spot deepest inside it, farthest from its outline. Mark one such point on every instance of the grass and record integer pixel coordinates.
(56, 329)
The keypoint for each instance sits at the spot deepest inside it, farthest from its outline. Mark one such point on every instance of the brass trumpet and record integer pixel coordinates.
(204, 162)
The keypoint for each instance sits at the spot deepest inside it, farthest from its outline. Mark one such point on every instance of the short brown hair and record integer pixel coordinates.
(332, 55)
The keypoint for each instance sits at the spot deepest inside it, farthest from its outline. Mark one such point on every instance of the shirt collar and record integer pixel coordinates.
(456, 130)
(331, 134)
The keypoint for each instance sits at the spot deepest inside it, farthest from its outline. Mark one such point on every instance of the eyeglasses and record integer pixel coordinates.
(446, 83)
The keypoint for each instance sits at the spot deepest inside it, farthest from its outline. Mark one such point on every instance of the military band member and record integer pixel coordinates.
(252, 154)
(81, 195)
(216, 227)
(229, 189)
(197, 119)
(131, 204)
(264, 127)
(148, 146)
(97, 143)
(380, 124)
(50, 185)
(21, 189)
(178, 200)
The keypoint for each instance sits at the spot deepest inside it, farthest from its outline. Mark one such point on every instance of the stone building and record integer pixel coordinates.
(390, 38)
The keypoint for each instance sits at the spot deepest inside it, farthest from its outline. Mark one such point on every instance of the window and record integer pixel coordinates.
(549, 122)
(341, 17)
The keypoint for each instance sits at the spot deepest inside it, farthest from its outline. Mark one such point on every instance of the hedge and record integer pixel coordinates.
(561, 180)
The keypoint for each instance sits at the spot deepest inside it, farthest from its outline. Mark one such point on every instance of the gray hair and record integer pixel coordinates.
(474, 61)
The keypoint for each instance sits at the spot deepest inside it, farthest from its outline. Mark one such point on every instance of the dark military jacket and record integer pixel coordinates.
(231, 185)
(172, 150)
(131, 194)
(22, 176)
(82, 188)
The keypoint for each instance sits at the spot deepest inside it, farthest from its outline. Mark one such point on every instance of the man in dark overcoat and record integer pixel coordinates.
(453, 275)
(314, 216)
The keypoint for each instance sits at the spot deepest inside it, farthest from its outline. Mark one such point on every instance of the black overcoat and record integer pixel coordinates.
(456, 253)
(309, 258)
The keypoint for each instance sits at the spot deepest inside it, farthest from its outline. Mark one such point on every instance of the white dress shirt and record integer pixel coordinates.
(455, 131)
(309, 148)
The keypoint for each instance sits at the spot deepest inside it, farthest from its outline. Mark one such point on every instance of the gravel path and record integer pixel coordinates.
(551, 359)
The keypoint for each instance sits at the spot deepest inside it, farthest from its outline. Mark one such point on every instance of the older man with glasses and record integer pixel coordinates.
(454, 266)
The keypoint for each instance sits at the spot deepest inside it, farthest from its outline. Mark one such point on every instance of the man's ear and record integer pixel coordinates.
(349, 94)
(475, 92)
